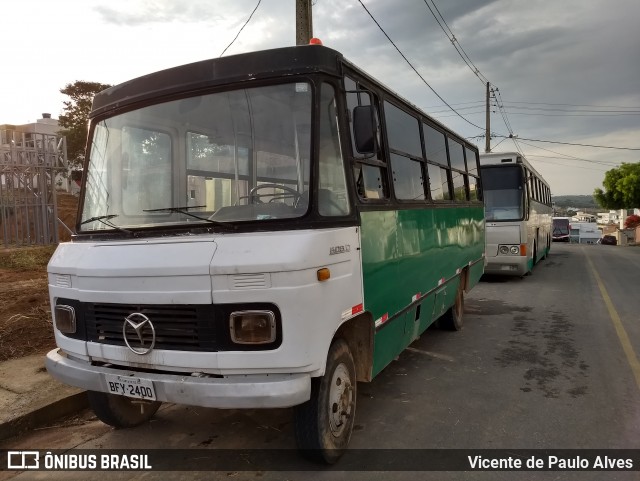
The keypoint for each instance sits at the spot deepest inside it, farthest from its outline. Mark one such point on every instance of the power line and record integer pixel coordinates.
(570, 143)
(476, 71)
(571, 157)
(479, 102)
(628, 112)
(452, 38)
(414, 69)
(242, 28)
(574, 115)
(563, 165)
(511, 105)
(576, 105)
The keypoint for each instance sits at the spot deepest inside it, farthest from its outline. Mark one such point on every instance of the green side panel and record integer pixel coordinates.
(475, 273)
(407, 252)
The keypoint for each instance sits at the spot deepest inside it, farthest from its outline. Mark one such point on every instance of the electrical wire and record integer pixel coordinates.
(414, 69)
(571, 157)
(563, 165)
(452, 38)
(476, 71)
(241, 28)
(576, 105)
(578, 145)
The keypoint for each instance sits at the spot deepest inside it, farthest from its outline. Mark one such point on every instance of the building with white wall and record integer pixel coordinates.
(584, 232)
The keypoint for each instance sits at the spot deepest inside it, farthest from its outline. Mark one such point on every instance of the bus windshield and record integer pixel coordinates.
(503, 193)
(242, 155)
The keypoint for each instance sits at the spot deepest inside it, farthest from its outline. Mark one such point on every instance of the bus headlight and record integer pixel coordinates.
(65, 318)
(503, 250)
(515, 250)
(252, 327)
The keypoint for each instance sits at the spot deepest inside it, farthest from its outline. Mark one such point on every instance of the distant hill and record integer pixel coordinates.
(578, 201)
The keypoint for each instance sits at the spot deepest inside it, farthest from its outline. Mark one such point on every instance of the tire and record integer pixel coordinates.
(323, 425)
(453, 319)
(121, 411)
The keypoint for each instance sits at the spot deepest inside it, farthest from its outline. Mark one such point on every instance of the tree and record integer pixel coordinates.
(622, 186)
(75, 116)
(632, 222)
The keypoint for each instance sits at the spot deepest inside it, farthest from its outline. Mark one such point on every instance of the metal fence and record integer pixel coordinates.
(29, 164)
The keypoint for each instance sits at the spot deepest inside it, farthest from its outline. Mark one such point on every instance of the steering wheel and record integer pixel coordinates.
(253, 196)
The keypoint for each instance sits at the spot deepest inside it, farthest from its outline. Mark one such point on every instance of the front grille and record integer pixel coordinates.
(185, 328)
(177, 327)
(190, 327)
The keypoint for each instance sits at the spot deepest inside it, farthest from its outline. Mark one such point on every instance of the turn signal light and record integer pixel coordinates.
(323, 274)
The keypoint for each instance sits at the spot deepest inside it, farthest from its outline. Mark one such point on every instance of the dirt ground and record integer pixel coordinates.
(25, 315)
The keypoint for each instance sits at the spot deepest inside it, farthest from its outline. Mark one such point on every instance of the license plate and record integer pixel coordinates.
(130, 387)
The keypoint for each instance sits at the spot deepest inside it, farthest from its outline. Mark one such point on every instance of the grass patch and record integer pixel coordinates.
(26, 257)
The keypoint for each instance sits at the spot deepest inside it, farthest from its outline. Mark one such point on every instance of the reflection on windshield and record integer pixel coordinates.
(503, 204)
(235, 156)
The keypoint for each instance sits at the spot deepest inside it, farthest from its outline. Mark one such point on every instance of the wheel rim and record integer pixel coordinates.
(340, 400)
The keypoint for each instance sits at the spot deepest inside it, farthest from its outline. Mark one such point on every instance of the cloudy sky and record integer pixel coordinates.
(567, 71)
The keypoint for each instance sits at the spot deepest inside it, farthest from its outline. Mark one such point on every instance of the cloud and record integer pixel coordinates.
(166, 11)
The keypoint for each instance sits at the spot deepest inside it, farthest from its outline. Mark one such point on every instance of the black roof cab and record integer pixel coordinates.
(218, 72)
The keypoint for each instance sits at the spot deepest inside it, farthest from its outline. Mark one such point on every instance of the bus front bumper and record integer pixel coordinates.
(507, 265)
(231, 392)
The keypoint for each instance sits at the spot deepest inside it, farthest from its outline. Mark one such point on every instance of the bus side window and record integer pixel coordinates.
(435, 147)
(370, 181)
(369, 169)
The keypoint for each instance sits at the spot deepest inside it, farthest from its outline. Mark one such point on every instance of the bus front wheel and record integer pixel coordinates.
(323, 425)
(121, 411)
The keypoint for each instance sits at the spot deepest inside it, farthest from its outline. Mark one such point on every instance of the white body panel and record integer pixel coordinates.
(271, 267)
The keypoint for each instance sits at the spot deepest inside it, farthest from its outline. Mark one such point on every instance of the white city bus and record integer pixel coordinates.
(257, 231)
(518, 214)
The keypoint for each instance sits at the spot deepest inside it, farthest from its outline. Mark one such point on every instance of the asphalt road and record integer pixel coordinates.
(548, 361)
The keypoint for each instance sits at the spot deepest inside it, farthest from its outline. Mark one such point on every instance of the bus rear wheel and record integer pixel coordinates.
(121, 411)
(453, 319)
(323, 425)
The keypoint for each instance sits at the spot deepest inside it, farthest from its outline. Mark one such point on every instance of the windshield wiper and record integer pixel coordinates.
(99, 218)
(184, 210)
(104, 219)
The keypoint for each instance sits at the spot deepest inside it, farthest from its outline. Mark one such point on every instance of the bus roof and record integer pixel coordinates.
(218, 72)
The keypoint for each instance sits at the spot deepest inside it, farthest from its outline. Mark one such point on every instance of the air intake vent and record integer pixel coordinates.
(251, 281)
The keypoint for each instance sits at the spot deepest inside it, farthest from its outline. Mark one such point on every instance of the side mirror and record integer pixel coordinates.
(364, 129)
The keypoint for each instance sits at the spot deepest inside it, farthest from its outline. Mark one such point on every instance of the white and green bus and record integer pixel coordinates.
(518, 214)
(259, 231)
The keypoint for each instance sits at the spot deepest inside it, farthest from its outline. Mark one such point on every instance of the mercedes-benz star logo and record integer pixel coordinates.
(138, 323)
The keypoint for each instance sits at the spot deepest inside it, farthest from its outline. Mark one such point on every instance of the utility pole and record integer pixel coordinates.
(487, 142)
(304, 24)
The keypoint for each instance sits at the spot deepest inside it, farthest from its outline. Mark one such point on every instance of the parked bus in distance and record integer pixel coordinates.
(561, 230)
(518, 214)
(260, 231)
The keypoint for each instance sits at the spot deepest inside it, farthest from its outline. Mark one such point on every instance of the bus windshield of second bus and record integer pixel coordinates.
(503, 193)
